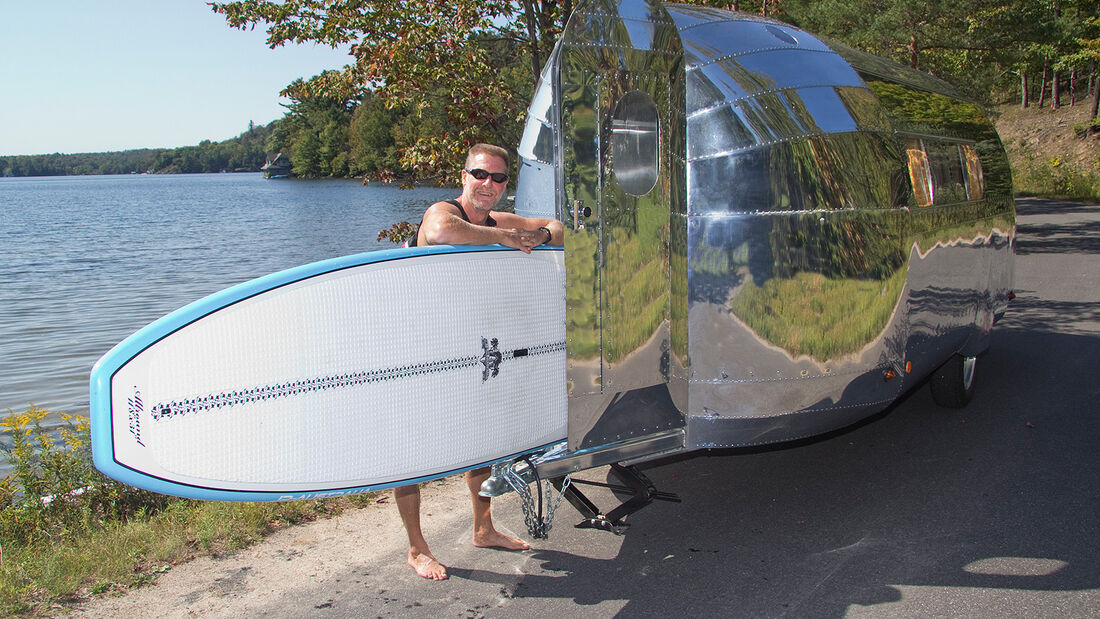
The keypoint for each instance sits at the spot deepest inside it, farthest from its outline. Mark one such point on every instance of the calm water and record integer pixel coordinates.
(86, 261)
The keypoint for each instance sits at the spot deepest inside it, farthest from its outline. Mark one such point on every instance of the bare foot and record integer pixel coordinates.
(495, 539)
(427, 566)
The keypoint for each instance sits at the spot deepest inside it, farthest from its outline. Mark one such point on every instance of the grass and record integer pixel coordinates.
(122, 555)
(68, 532)
(1054, 178)
(810, 314)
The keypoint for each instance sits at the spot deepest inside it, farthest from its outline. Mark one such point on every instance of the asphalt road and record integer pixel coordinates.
(992, 510)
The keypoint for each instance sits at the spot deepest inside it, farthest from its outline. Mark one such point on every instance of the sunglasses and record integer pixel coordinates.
(479, 174)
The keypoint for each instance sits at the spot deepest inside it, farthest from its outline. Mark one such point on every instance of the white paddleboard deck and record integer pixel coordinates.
(353, 374)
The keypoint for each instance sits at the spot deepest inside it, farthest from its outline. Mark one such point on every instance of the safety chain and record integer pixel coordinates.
(537, 526)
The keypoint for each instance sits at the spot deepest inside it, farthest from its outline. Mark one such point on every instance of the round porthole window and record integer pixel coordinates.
(634, 140)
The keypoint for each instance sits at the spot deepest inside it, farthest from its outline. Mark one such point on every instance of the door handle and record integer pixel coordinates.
(580, 212)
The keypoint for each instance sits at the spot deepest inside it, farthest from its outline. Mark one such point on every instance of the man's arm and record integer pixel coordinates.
(533, 225)
(443, 226)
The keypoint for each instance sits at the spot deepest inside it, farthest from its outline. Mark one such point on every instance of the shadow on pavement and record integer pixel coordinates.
(1004, 494)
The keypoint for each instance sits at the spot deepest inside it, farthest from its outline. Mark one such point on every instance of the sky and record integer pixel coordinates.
(81, 76)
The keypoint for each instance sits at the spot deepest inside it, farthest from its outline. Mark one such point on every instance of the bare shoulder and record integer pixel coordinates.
(442, 208)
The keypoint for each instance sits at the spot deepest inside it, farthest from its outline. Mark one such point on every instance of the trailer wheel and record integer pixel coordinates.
(952, 385)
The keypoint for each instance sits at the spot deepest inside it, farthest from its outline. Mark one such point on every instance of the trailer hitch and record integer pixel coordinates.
(557, 465)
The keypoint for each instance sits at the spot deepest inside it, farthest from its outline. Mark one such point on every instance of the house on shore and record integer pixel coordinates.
(277, 167)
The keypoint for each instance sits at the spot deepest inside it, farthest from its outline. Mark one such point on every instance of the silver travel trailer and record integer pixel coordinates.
(769, 236)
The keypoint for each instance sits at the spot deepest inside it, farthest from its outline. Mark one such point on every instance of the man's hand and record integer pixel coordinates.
(523, 240)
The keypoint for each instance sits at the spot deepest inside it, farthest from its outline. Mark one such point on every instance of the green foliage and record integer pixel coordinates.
(307, 154)
(982, 46)
(371, 139)
(466, 68)
(53, 498)
(245, 153)
(398, 233)
(1084, 130)
(1052, 176)
(58, 164)
(321, 136)
(54, 492)
(242, 154)
(331, 137)
(67, 531)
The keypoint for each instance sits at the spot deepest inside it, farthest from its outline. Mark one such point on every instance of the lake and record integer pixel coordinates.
(88, 260)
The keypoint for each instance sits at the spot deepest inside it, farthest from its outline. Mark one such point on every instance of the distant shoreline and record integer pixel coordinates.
(147, 173)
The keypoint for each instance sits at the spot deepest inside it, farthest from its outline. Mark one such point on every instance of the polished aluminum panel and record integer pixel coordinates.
(734, 78)
(960, 274)
(769, 273)
(813, 173)
(710, 34)
(791, 313)
(801, 312)
(767, 119)
(895, 73)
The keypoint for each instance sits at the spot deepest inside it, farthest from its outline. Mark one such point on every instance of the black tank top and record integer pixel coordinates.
(489, 221)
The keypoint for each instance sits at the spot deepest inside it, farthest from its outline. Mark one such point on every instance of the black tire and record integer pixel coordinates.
(952, 385)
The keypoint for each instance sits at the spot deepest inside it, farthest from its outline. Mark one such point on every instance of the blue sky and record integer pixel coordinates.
(105, 75)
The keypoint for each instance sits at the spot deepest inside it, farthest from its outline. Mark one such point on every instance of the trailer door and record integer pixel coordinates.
(617, 203)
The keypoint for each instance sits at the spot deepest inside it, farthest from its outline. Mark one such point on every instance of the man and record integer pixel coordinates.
(471, 220)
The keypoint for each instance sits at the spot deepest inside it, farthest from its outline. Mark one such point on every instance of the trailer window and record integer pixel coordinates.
(975, 185)
(634, 134)
(538, 136)
(538, 188)
(948, 183)
(919, 172)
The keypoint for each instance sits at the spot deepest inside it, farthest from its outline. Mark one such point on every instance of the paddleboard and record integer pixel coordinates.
(352, 374)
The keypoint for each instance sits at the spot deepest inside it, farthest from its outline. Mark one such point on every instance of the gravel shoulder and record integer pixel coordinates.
(360, 548)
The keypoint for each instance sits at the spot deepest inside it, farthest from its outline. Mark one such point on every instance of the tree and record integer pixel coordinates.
(279, 138)
(478, 58)
(307, 154)
(1087, 37)
(333, 155)
(371, 138)
(900, 29)
(313, 134)
(988, 47)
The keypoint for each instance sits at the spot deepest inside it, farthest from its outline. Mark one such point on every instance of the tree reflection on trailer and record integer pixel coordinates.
(769, 236)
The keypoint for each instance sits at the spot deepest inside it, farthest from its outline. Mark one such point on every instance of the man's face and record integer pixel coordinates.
(484, 194)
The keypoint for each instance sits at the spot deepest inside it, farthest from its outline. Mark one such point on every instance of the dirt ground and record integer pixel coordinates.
(1046, 133)
(247, 582)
